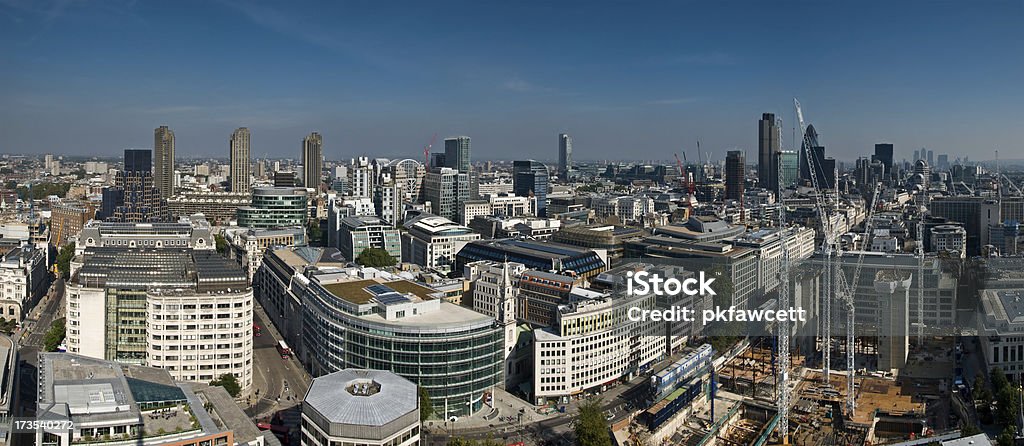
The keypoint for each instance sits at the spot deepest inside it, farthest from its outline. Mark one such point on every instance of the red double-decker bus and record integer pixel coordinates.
(283, 349)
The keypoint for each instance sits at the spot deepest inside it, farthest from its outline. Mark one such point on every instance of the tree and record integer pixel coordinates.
(222, 244)
(64, 256)
(375, 257)
(315, 234)
(968, 429)
(981, 391)
(1007, 406)
(459, 441)
(426, 409)
(590, 426)
(1006, 438)
(229, 383)
(999, 380)
(54, 336)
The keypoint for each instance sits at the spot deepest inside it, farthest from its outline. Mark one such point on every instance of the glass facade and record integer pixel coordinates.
(456, 362)
(274, 207)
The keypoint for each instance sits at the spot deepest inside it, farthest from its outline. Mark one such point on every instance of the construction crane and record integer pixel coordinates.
(784, 329)
(920, 277)
(426, 151)
(848, 292)
(827, 244)
(687, 184)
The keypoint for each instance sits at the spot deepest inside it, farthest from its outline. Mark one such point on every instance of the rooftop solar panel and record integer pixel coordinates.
(392, 298)
(378, 290)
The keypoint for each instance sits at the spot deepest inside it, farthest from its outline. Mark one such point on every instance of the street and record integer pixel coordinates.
(30, 336)
(277, 383)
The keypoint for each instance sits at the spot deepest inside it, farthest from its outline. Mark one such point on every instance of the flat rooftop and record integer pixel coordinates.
(357, 292)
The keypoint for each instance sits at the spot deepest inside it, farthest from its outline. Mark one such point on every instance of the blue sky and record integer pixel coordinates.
(627, 79)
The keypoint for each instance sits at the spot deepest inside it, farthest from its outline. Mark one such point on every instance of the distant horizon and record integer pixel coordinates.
(646, 79)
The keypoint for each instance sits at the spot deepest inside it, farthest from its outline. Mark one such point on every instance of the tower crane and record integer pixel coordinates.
(827, 244)
(920, 277)
(687, 184)
(848, 292)
(783, 327)
(426, 151)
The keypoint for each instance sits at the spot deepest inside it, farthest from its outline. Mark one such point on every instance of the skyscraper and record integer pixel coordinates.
(312, 160)
(824, 168)
(564, 155)
(163, 162)
(767, 152)
(884, 153)
(790, 170)
(530, 178)
(134, 198)
(456, 153)
(240, 166)
(735, 162)
(930, 157)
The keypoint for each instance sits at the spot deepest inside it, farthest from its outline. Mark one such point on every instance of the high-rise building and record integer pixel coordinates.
(942, 162)
(163, 164)
(768, 148)
(824, 168)
(240, 166)
(931, 157)
(134, 197)
(456, 153)
(162, 308)
(274, 207)
(790, 162)
(360, 177)
(312, 160)
(530, 179)
(884, 154)
(564, 155)
(445, 188)
(735, 163)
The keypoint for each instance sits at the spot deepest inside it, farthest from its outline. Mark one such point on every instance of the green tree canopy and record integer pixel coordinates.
(426, 409)
(64, 256)
(222, 244)
(229, 383)
(54, 336)
(375, 257)
(590, 426)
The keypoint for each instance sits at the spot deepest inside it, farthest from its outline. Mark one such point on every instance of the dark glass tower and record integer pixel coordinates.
(530, 178)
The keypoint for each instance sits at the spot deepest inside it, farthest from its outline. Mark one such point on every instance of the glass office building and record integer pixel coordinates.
(274, 207)
(456, 354)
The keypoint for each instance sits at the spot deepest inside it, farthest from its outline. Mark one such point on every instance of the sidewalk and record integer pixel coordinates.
(505, 405)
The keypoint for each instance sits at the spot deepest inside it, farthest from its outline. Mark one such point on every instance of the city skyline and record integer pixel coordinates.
(386, 87)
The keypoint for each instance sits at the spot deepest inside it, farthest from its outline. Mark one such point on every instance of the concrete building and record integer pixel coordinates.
(193, 232)
(735, 172)
(278, 287)
(768, 148)
(564, 155)
(275, 207)
(432, 241)
(592, 344)
(606, 237)
(100, 402)
(241, 165)
(358, 233)
(163, 161)
(538, 255)
(445, 188)
(184, 310)
(949, 239)
(67, 218)
(767, 244)
(248, 245)
(454, 353)
(364, 407)
(999, 330)
(312, 160)
(24, 279)
(892, 291)
(10, 389)
(530, 179)
(220, 208)
(457, 153)
(531, 228)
